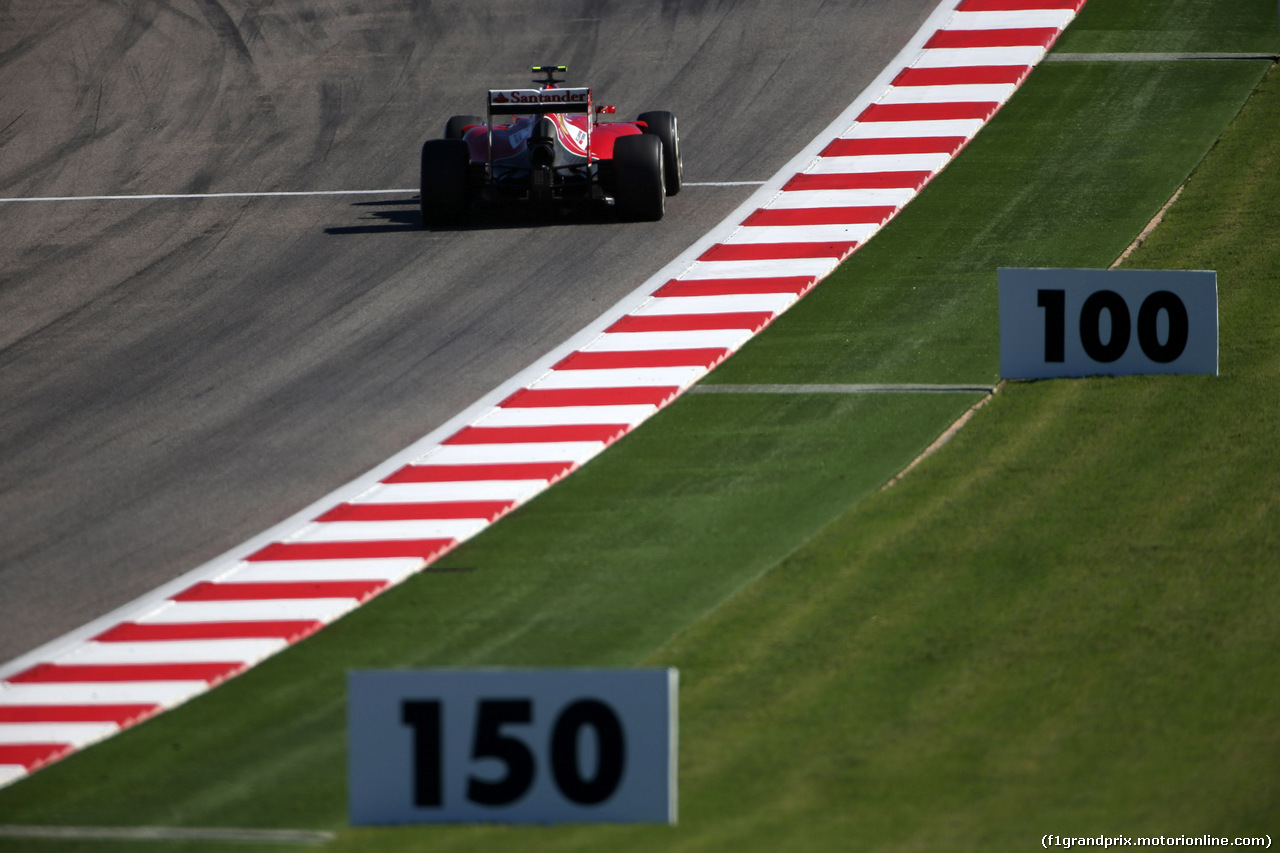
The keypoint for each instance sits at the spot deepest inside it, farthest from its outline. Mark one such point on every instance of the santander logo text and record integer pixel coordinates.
(536, 97)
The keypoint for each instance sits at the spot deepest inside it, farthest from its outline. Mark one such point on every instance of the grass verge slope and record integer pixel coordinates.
(1061, 624)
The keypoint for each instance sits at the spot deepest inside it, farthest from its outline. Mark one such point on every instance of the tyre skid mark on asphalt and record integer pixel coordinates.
(282, 591)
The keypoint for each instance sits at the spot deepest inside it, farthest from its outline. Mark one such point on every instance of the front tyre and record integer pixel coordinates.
(639, 177)
(662, 124)
(444, 181)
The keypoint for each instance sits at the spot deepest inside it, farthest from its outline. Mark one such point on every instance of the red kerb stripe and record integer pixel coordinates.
(644, 358)
(286, 590)
(1029, 36)
(488, 510)
(475, 473)
(692, 322)
(894, 145)
(33, 755)
(734, 286)
(929, 112)
(537, 434)
(859, 181)
(56, 673)
(1018, 5)
(120, 714)
(425, 549)
(134, 632)
(529, 398)
(821, 216)
(966, 75)
(774, 251)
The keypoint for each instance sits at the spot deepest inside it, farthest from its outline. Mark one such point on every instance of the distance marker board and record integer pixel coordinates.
(1071, 322)
(512, 746)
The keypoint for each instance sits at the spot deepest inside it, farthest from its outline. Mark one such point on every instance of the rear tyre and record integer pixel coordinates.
(444, 181)
(454, 127)
(662, 124)
(638, 175)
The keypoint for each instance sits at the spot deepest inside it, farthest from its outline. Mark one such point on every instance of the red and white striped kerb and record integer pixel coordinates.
(174, 649)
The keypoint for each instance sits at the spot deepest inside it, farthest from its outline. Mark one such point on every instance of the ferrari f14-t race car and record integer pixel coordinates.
(546, 147)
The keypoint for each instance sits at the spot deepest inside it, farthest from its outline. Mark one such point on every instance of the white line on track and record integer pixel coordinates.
(168, 833)
(1159, 57)
(159, 196)
(288, 194)
(859, 388)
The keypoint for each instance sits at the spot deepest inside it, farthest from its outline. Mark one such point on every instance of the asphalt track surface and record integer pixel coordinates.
(176, 375)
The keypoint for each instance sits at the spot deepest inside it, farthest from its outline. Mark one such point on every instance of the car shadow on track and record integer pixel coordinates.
(396, 218)
(403, 215)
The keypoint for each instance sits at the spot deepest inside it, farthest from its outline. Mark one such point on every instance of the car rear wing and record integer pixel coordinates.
(523, 102)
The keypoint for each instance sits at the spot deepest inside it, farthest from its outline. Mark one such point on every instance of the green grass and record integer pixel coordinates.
(1063, 623)
(603, 569)
(1193, 26)
(1066, 622)
(1069, 172)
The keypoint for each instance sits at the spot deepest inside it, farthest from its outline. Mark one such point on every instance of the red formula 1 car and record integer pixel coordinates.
(546, 147)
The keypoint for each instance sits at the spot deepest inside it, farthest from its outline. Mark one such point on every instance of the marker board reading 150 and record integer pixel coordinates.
(512, 746)
(1059, 323)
